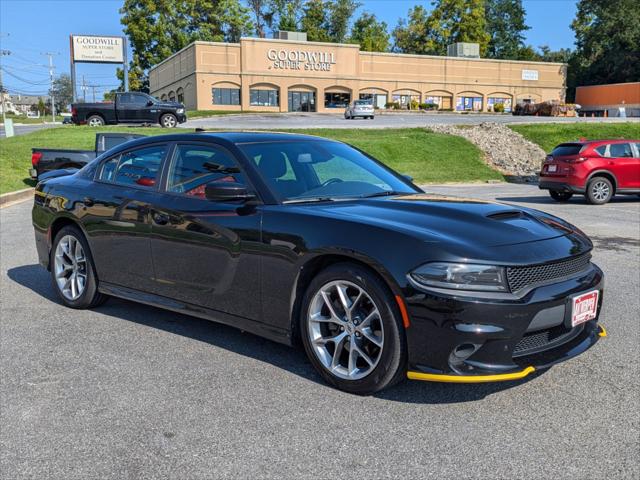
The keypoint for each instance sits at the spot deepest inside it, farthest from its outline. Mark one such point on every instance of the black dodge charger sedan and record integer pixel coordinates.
(303, 239)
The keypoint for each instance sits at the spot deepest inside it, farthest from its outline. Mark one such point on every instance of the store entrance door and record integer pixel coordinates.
(302, 101)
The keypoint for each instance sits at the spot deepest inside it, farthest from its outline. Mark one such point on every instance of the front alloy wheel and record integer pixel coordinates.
(352, 329)
(168, 121)
(345, 330)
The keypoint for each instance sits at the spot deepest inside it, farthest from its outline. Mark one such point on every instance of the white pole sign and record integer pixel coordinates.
(98, 49)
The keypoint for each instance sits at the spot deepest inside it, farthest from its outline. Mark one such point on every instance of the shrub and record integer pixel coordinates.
(393, 105)
(413, 105)
(498, 107)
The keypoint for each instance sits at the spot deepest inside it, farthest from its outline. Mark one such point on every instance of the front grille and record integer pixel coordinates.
(540, 340)
(522, 277)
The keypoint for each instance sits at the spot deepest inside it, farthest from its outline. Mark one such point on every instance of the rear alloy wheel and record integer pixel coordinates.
(168, 120)
(351, 330)
(560, 196)
(599, 191)
(95, 121)
(72, 270)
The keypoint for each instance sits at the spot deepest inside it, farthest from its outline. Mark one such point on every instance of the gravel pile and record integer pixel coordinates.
(508, 151)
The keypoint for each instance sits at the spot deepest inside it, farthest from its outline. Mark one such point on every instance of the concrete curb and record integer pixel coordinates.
(11, 198)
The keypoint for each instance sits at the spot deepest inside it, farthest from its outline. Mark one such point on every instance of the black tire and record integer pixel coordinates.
(168, 120)
(90, 296)
(560, 196)
(599, 191)
(95, 121)
(392, 358)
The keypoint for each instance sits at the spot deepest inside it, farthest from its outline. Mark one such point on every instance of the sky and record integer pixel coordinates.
(30, 28)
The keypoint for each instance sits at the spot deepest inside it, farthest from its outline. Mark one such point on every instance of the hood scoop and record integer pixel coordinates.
(506, 215)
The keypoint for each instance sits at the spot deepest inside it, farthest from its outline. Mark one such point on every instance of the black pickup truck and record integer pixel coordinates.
(47, 159)
(129, 107)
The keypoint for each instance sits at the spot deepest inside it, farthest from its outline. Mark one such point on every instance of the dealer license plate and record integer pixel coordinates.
(552, 168)
(585, 307)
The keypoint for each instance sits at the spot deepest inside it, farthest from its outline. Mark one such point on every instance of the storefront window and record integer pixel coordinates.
(302, 101)
(264, 98)
(337, 100)
(506, 103)
(405, 101)
(378, 100)
(226, 96)
(469, 104)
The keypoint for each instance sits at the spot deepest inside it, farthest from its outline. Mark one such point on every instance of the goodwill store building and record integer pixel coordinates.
(299, 76)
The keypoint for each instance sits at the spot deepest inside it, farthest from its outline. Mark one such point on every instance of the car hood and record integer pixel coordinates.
(170, 104)
(438, 218)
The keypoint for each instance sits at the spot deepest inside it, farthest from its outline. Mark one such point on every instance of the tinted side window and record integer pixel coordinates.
(139, 99)
(620, 150)
(108, 167)
(194, 166)
(137, 167)
(637, 150)
(566, 149)
(602, 150)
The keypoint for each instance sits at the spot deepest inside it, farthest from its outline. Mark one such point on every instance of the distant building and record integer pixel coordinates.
(601, 100)
(6, 100)
(24, 104)
(293, 75)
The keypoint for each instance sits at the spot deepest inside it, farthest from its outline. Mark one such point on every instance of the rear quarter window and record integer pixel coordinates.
(567, 149)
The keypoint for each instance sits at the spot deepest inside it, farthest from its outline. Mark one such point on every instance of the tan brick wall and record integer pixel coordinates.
(325, 67)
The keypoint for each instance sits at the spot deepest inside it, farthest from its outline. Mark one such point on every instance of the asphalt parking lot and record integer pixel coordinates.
(385, 120)
(130, 391)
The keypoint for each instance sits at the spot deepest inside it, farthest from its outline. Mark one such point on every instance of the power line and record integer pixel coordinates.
(30, 82)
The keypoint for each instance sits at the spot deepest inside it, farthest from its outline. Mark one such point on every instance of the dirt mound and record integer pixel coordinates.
(508, 151)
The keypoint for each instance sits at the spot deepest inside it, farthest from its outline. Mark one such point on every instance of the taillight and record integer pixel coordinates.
(35, 158)
(577, 159)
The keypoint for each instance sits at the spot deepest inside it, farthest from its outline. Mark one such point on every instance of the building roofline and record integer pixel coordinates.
(441, 57)
(354, 45)
(609, 84)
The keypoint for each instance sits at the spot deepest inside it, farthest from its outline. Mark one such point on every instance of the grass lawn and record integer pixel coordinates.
(551, 134)
(427, 157)
(31, 121)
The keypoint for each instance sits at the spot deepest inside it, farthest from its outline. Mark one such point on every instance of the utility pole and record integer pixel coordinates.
(2, 89)
(51, 69)
(84, 90)
(93, 88)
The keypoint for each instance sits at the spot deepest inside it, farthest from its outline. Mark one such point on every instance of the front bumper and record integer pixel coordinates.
(182, 117)
(459, 338)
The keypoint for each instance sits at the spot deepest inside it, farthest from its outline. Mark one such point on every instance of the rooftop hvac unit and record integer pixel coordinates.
(465, 50)
(294, 36)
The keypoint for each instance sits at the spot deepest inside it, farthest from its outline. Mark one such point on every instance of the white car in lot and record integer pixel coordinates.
(359, 108)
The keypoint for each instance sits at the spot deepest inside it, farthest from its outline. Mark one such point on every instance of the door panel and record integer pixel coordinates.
(624, 166)
(206, 253)
(117, 216)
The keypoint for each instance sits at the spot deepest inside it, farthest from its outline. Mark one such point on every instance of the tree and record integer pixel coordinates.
(62, 92)
(505, 26)
(286, 14)
(370, 34)
(563, 55)
(314, 21)
(262, 15)
(42, 108)
(158, 28)
(454, 21)
(340, 13)
(413, 35)
(607, 41)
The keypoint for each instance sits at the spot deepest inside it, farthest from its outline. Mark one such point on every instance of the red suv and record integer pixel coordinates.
(598, 169)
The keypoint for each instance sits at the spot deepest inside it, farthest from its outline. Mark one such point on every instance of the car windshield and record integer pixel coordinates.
(322, 170)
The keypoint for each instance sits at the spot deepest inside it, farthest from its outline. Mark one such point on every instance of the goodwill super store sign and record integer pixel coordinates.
(97, 49)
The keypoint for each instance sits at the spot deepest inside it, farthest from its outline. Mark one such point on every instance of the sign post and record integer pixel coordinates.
(97, 49)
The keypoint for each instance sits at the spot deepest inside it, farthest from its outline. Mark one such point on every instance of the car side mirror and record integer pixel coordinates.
(408, 177)
(149, 103)
(227, 191)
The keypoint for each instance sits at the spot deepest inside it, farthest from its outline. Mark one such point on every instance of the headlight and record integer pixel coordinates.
(180, 110)
(461, 276)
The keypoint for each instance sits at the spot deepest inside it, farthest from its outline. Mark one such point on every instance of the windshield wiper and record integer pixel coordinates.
(310, 199)
(386, 193)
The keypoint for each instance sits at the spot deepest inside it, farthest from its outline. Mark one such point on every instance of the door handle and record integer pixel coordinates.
(160, 218)
(88, 201)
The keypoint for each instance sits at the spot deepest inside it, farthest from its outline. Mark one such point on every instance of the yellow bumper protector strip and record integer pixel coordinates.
(498, 377)
(602, 332)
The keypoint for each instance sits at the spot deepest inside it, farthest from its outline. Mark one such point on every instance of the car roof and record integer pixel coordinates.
(594, 142)
(233, 137)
